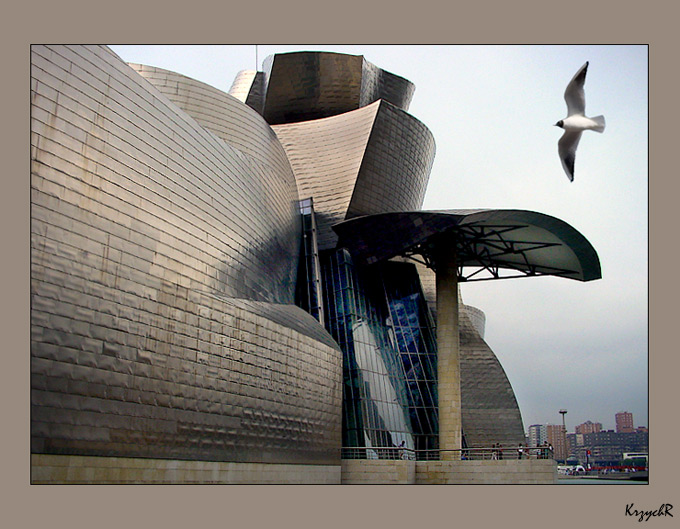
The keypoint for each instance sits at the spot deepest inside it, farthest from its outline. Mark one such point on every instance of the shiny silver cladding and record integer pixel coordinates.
(222, 114)
(144, 228)
(489, 410)
(248, 87)
(375, 159)
(312, 85)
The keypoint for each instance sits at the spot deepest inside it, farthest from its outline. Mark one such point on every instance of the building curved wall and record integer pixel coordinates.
(477, 318)
(248, 87)
(377, 83)
(489, 410)
(326, 156)
(396, 168)
(222, 114)
(144, 228)
(312, 85)
(372, 160)
(242, 84)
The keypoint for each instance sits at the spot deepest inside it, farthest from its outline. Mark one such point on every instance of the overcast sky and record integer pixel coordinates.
(563, 344)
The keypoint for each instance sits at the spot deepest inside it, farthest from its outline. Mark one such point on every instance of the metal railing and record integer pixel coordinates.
(465, 454)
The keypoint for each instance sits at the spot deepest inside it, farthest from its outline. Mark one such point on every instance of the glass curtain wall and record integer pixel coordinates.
(379, 317)
(412, 330)
(380, 320)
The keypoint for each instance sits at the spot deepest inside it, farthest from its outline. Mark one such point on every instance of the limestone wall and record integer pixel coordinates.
(535, 472)
(528, 471)
(360, 471)
(54, 469)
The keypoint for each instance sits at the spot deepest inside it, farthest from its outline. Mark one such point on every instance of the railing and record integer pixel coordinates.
(466, 454)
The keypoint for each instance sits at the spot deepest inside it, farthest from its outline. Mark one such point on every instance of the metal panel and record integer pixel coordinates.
(146, 227)
(312, 85)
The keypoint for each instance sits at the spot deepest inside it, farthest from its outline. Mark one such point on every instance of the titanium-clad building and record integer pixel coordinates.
(164, 260)
(192, 298)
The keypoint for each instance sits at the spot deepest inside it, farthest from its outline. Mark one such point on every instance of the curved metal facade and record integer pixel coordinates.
(226, 117)
(375, 159)
(248, 87)
(311, 85)
(326, 156)
(489, 410)
(163, 266)
(396, 167)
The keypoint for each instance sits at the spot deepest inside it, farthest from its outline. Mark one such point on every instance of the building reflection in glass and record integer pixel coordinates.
(379, 318)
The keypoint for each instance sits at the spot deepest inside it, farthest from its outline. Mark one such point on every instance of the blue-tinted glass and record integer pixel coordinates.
(379, 318)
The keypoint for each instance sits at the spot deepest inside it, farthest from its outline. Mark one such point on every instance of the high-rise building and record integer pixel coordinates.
(556, 436)
(537, 434)
(588, 427)
(227, 278)
(624, 422)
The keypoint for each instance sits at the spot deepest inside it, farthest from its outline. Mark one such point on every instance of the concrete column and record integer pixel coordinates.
(448, 350)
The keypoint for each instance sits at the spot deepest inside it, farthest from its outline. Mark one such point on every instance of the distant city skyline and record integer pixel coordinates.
(605, 425)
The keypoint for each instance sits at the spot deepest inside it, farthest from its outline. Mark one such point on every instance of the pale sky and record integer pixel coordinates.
(564, 344)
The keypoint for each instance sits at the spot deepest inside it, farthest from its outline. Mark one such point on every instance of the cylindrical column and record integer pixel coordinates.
(448, 351)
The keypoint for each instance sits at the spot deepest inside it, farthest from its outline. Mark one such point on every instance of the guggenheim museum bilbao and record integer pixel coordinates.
(242, 287)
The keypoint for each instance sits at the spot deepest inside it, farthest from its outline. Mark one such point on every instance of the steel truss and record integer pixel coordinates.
(483, 247)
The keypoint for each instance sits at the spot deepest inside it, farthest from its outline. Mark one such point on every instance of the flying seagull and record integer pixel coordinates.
(575, 122)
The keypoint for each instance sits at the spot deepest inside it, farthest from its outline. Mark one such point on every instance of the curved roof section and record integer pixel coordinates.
(301, 86)
(491, 241)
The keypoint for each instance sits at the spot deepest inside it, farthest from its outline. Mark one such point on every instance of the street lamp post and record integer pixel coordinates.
(563, 412)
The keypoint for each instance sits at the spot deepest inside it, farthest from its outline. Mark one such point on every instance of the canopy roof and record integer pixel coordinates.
(495, 243)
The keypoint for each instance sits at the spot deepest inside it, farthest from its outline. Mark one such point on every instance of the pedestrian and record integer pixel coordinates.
(494, 452)
(500, 451)
(520, 451)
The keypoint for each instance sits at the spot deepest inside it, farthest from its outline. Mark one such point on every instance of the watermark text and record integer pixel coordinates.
(644, 516)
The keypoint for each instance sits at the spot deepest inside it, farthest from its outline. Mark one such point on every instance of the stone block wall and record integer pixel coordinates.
(515, 472)
(367, 472)
(58, 469)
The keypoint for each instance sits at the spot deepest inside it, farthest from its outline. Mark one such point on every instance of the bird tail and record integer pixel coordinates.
(599, 120)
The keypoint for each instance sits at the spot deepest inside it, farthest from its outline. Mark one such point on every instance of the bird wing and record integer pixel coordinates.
(566, 148)
(574, 94)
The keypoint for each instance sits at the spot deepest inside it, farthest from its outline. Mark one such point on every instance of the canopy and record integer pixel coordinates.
(494, 243)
